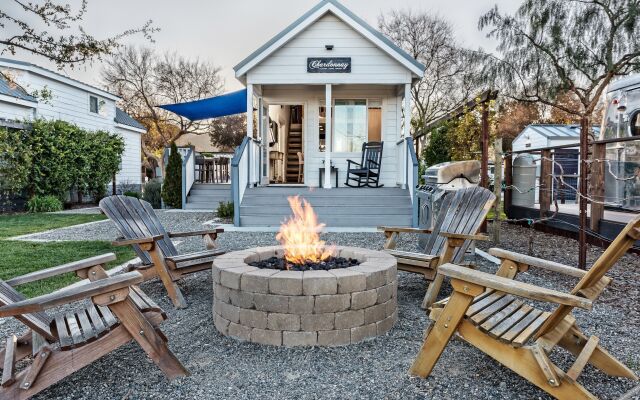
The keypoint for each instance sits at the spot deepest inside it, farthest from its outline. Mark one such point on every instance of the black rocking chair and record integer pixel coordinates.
(367, 172)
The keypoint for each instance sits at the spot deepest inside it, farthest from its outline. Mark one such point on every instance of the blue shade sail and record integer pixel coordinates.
(214, 107)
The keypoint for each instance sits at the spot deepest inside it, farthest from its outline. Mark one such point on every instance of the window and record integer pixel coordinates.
(354, 123)
(93, 105)
(350, 125)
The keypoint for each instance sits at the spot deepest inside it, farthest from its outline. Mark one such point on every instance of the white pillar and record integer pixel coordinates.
(327, 138)
(250, 110)
(407, 110)
(407, 132)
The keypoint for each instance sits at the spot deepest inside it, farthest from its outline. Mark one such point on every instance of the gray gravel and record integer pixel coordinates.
(224, 368)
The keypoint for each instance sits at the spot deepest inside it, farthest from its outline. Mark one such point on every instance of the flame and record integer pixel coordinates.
(300, 234)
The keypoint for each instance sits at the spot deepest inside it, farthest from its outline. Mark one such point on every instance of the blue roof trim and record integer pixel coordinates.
(351, 15)
(12, 89)
(125, 119)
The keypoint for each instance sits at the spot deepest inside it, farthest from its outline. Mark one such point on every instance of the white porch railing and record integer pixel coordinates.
(408, 173)
(240, 176)
(188, 175)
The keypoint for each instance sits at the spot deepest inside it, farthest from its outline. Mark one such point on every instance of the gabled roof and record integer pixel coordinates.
(27, 66)
(12, 89)
(555, 131)
(123, 118)
(346, 16)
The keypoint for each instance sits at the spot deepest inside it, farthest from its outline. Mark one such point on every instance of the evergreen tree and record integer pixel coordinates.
(172, 186)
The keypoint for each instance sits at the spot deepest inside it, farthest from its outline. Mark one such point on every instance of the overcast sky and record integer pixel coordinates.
(226, 31)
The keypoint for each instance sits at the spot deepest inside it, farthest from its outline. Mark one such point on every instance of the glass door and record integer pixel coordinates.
(264, 143)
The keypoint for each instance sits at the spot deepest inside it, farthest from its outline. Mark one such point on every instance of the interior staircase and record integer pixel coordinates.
(337, 207)
(294, 144)
(208, 196)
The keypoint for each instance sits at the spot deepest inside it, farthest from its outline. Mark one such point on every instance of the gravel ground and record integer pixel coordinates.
(224, 368)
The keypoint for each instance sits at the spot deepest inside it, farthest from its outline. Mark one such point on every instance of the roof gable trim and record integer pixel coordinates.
(311, 17)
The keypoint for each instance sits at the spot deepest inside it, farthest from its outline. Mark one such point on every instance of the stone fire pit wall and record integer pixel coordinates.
(311, 308)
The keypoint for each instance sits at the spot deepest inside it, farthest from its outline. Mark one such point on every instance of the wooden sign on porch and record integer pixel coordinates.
(329, 65)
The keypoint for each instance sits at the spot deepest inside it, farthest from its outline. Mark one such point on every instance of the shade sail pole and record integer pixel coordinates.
(327, 138)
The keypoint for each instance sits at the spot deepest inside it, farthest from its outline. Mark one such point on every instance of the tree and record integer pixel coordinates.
(513, 116)
(53, 29)
(575, 47)
(438, 147)
(172, 186)
(146, 80)
(450, 76)
(227, 132)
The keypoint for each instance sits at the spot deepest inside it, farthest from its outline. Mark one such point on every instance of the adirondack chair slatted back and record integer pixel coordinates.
(136, 219)
(618, 248)
(462, 212)
(39, 321)
(372, 155)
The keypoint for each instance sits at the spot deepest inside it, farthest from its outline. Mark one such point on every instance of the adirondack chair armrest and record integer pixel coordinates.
(70, 295)
(510, 286)
(463, 236)
(403, 229)
(128, 242)
(196, 233)
(75, 266)
(537, 262)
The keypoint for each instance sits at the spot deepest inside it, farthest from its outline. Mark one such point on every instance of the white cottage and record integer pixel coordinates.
(69, 100)
(315, 93)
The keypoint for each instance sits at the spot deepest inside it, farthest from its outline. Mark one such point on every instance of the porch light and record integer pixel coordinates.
(328, 47)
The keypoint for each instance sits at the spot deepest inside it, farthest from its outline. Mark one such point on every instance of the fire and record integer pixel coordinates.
(300, 234)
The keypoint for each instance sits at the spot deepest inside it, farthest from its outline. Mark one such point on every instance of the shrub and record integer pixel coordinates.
(130, 193)
(152, 193)
(54, 157)
(225, 210)
(39, 204)
(172, 187)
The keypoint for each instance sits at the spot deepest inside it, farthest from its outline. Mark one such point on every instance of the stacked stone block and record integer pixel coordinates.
(310, 308)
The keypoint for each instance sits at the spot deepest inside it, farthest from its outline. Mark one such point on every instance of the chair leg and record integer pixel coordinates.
(440, 334)
(574, 340)
(145, 334)
(432, 291)
(163, 272)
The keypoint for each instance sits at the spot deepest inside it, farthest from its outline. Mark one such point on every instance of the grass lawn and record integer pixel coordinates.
(20, 257)
(22, 224)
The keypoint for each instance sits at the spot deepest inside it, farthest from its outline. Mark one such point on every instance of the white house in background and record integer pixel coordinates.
(69, 100)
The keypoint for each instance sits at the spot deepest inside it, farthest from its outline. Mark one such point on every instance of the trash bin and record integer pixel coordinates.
(524, 181)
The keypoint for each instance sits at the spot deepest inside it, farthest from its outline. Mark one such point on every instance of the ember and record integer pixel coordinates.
(282, 264)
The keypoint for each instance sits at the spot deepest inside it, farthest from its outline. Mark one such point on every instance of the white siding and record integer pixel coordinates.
(312, 97)
(17, 112)
(131, 158)
(370, 64)
(537, 140)
(71, 103)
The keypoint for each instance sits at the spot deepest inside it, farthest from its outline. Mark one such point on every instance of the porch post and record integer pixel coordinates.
(406, 133)
(407, 110)
(250, 110)
(328, 138)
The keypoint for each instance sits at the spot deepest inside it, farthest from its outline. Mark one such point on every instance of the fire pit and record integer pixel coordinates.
(304, 293)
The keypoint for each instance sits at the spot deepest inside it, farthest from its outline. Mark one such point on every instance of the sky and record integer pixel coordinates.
(225, 31)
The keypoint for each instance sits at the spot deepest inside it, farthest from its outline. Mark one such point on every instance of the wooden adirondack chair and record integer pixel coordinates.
(485, 311)
(140, 227)
(62, 344)
(456, 227)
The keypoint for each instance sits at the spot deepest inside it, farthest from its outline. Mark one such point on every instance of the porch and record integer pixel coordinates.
(338, 207)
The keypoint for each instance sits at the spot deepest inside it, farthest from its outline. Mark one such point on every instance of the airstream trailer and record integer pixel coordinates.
(622, 120)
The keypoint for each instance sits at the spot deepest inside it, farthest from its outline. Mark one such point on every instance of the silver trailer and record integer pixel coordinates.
(622, 120)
